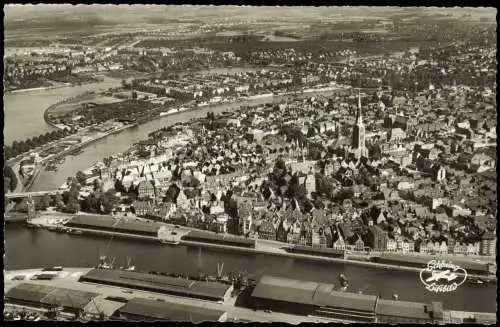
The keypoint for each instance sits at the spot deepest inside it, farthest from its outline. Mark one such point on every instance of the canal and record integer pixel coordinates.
(32, 248)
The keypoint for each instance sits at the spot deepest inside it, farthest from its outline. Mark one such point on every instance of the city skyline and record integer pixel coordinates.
(250, 164)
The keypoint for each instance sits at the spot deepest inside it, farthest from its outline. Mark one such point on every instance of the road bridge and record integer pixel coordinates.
(22, 195)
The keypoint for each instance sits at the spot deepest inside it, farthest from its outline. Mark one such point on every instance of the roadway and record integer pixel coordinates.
(19, 195)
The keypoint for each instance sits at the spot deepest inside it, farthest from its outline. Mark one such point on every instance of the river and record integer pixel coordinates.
(33, 248)
(26, 248)
(23, 111)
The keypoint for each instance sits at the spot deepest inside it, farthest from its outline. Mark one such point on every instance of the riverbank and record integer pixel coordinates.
(41, 88)
(52, 87)
(261, 247)
(109, 146)
(69, 278)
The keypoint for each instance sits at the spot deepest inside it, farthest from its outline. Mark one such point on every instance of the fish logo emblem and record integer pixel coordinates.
(442, 276)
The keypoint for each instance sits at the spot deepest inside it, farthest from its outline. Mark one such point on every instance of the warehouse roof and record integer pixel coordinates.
(26, 292)
(318, 250)
(92, 220)
(170, 311)
(401, 309)
(311, 293)
(110, 222)
(283, 289)
(138, 226)
(50, 295)
(158, 283)
(211, 236)
(351, 301)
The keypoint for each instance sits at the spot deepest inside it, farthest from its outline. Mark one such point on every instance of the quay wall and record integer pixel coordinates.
(276, 251)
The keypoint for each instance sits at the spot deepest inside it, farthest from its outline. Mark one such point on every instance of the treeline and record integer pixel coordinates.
(128, 109)
(9, 179)
(69, 201)
(20, 147)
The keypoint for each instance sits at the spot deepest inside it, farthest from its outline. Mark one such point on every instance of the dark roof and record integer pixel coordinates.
(139, 226)
(353, 301)
(26, 292)
(50, 295)
(317, 250)
(92, 220)
(170, 311)
(200, 235)
(110, 222)
(158, 283)
(346, 230)
(401, 309)
(401, 120)
(287, 290)
(311, 293)
(146, 184)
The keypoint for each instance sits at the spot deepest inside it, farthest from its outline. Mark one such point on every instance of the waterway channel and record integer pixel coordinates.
(32, 248)
(23, 111)
(27, 248)
(49, 180)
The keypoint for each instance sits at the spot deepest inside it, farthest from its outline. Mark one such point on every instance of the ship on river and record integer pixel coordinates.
(344, 282)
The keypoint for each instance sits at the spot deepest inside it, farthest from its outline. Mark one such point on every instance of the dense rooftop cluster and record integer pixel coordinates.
(286, 172)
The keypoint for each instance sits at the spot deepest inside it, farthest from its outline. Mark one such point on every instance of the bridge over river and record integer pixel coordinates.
(23, 195)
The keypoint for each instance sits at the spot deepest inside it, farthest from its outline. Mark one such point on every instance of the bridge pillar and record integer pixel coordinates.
(31, 208)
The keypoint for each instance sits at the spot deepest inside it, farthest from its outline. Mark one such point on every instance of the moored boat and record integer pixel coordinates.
(169, 242)
(74, 231)
(344, 282)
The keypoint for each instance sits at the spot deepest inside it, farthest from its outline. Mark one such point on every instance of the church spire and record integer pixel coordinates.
(359, 120)
(358, 135)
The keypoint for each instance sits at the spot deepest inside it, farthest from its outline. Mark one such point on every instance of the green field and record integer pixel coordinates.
(78, 102)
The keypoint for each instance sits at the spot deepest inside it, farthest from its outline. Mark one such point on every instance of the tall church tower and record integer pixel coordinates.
(358, 134)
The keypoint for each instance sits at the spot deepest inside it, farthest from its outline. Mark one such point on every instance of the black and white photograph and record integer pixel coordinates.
(253, 164)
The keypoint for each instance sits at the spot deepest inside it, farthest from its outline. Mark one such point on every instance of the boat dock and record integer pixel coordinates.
(104, 298)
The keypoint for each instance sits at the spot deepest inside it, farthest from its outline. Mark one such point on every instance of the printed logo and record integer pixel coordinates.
(442, 276)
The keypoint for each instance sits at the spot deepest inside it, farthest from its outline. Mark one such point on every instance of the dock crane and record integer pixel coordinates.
(79, 313)
(129, 267)
(104, 257)
(102, 316)
(220, 268)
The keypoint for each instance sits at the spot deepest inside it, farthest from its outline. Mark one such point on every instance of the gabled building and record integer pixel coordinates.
(146, 190)
(488, 244)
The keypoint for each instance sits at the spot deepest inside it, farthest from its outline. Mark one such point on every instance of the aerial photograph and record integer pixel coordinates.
(191, 163)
